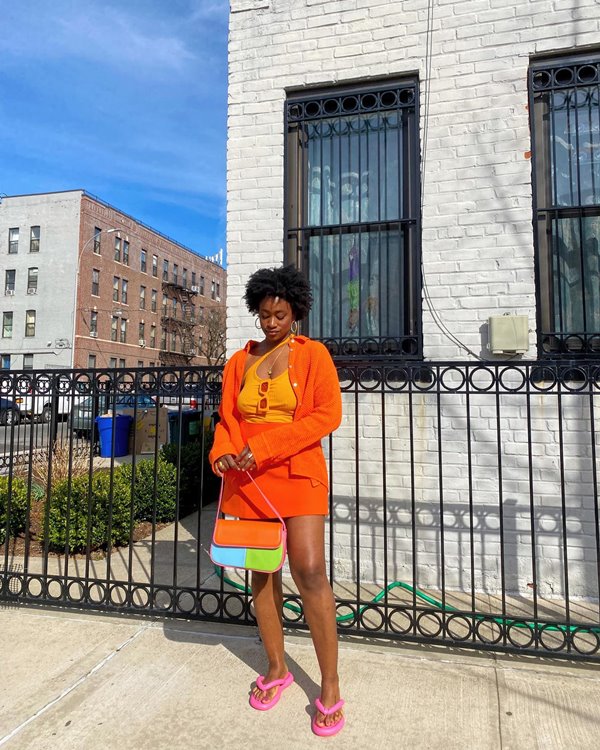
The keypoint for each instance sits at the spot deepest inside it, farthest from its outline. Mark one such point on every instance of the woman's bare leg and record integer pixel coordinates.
(306, 547)
(267, 594)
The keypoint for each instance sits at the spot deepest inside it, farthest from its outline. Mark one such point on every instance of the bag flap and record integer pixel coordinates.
(257, 534)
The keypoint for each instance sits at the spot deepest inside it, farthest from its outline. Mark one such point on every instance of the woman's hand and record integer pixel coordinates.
(245, 460)
(223, 464)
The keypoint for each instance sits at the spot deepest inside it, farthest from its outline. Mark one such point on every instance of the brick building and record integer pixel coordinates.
(434, 168)
(86, 285)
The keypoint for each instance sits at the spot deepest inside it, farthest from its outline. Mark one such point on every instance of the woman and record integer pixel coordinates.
(281, 396)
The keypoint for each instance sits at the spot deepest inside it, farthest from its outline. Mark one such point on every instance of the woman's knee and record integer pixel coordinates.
(309, 576)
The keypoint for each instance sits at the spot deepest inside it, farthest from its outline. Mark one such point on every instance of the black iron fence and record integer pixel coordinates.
(464, 501)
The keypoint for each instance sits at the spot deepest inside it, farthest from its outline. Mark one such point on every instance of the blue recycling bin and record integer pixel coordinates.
(121, 424)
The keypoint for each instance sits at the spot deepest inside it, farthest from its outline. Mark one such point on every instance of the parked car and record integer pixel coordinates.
(85, 411)
(10, 412)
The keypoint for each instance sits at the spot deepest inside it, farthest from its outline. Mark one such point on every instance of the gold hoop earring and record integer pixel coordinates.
(294, 328)
(257, 323)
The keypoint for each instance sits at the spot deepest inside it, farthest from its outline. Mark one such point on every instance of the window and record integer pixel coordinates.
(116, 281)
(124, 286)
(143, 260)
(34, 240)
(10, 279)
(565, 120)
(123, 331)
(142, 298)
(213, 290)
(32, 280)
(153, 336)
(352, 215)
(30, 317)
(193, 278)
(202, 285)
(140, 363)
(165, 270)
(174, 306)
(97, 235)
(114, 328)
(164, 304)
(155, 265)
(200, 314)
(94, 322)
(121, 362)
(7, 325)
(6, 361)
(175, 273)
(153, 300)
(28, 361)
(112, 362)
(184, 277)
(163, 338)
(218, 290)
(91, 361)
(118, 249)
(173, 341)
(95, 282)
(13, 241)
(141, 330)
(126, 252)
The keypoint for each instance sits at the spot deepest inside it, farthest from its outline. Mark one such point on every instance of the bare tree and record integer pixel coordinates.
(212, 344)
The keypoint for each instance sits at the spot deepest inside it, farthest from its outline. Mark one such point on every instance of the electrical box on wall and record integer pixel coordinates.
(508, 334)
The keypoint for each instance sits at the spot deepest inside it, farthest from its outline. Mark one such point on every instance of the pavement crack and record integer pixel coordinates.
(96, 668)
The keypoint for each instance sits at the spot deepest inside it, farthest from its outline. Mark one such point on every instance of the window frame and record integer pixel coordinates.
(8, 324)
(13, 244)
(34, 242)
(548, 76)
(399, 95)
(30, 323)
(97, 243)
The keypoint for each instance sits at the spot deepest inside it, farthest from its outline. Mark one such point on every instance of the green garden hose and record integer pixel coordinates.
(426, 598)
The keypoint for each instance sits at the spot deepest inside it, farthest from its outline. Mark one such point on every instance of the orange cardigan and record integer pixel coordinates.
(318, 412)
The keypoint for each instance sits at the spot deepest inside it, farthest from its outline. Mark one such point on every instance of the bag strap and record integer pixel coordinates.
(265, 498)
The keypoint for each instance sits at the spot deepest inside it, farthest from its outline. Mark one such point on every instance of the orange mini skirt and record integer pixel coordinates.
(291, 495)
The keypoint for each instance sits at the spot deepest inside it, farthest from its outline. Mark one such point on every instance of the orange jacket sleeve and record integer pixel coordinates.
(228, 436)
(318, 413)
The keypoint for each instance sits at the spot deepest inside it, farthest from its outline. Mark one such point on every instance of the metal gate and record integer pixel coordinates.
(464, 501)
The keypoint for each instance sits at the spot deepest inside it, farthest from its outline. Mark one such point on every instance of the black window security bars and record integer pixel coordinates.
(464, 502)
(352, 215)
(565, 112)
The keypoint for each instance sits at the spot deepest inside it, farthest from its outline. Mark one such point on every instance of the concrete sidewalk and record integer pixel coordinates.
(86, 681)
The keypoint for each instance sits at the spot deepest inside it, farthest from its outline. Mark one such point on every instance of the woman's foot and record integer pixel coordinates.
(266, 697)
(330, 695)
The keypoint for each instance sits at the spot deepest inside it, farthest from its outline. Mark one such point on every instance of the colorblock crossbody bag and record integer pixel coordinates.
(250, 545)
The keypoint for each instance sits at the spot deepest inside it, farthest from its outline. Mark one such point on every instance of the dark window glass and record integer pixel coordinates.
(352, 217)
(565, 111)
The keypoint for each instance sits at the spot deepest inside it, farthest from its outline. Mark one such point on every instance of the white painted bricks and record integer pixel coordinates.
(471, 59)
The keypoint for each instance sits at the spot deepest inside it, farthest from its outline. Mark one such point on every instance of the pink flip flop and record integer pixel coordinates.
(262, 685)
(327, 731)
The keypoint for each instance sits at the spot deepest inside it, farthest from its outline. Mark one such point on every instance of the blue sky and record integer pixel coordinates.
(124, 98)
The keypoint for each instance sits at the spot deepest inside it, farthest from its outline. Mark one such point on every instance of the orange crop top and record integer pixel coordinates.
(271, 400)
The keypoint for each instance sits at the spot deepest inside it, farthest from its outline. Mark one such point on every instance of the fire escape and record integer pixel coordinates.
(179, 321)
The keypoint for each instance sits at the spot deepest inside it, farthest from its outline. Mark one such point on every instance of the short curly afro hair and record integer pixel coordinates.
(285, 282)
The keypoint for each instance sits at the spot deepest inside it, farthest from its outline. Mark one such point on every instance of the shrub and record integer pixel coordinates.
(18, 506)
(71, 513)
(143, 490)
(193, 461)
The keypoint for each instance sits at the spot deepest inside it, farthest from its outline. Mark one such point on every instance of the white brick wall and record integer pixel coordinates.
(477, 240)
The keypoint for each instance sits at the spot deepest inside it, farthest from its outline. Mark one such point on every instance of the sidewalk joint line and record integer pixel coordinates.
(96, 668)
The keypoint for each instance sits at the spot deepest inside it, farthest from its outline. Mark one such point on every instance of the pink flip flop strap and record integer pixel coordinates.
(327, 711)
(261, 685)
